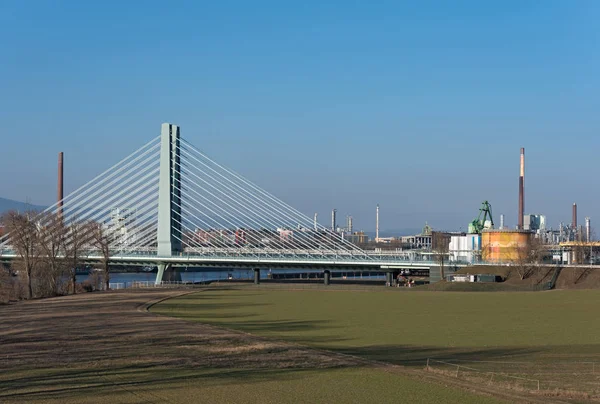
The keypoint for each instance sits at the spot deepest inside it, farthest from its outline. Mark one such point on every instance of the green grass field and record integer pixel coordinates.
(543, 335)
(347, 385)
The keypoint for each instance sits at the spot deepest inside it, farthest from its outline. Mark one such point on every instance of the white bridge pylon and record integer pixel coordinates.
(207, 209)
(168, 199)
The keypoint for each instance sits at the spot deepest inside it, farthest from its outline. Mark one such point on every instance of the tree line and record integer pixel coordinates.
(49, 250)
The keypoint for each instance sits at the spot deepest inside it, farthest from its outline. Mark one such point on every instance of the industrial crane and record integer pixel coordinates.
(477, 225)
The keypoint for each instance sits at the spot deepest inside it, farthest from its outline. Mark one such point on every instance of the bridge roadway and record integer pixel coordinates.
(374, 262)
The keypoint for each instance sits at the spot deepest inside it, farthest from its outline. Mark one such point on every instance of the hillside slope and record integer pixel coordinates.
(9, 204)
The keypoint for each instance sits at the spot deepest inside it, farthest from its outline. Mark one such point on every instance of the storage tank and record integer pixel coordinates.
(504, 245)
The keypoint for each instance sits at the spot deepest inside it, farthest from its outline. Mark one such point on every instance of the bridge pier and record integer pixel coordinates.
(160, 273)
(327, 277)
(166, 272)
(395, 279)
(389, 279)
(256, 276)
(435, 274)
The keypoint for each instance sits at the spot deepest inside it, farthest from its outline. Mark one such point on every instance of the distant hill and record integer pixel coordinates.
(9, 204)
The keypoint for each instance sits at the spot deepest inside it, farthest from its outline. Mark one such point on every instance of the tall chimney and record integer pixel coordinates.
(502, 221)
(60, 185)
(315, 224)
(350, 228)
(333, 224)
(521, 190)
(574, 220)
(377, 224)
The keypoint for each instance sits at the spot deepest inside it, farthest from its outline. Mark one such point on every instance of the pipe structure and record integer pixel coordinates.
(560, 232)
(502, 222)
(333, 223)
(377, 224)
(588, 230)
(60, 185)
(574, 219)
(521, 190)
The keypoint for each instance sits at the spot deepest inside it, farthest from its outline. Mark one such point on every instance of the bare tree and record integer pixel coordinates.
(440, 245)
(101, 240)
(528, 258)
(23, 236)
(51, 238)
(78, 236)
(5, 284)
(582, 250)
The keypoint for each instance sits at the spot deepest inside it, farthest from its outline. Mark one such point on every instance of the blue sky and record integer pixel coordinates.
(418, 106)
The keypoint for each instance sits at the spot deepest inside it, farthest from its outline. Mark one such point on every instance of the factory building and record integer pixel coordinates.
(534, 222)
(123, 226)
(240, 237)
(465, 248)
(423, 240)
(358, 237)
(285, 234)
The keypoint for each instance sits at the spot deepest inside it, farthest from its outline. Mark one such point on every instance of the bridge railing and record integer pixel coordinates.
(147, 284)
(266, 254)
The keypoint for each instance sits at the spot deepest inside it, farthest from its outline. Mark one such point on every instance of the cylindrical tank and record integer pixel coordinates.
(588, 230)
(504, 245)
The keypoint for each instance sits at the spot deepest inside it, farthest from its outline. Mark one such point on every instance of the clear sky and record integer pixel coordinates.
(419, 106)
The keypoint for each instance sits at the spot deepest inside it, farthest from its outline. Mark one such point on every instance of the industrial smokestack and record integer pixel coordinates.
(377, 224)
(315, 224)
(521, 190)
(588, 230)
(60, 185)
(333, 223)
(502, 221)
(350, 224)
(574, 220)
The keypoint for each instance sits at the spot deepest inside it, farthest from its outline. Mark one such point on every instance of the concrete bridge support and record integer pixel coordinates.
(256, 276)
(389, 279)
(327, 277)
(161, 273)
(435, 274)
(166, 272)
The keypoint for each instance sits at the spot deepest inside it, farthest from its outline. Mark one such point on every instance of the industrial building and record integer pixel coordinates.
(484, 242)
(358, 237)
(123, 225)
(422, 240)
(465, 248)
(534, 222)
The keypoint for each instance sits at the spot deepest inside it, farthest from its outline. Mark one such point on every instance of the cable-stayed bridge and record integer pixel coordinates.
(168, 204)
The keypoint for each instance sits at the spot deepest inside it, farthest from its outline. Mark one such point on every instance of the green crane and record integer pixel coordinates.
(477, 225)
